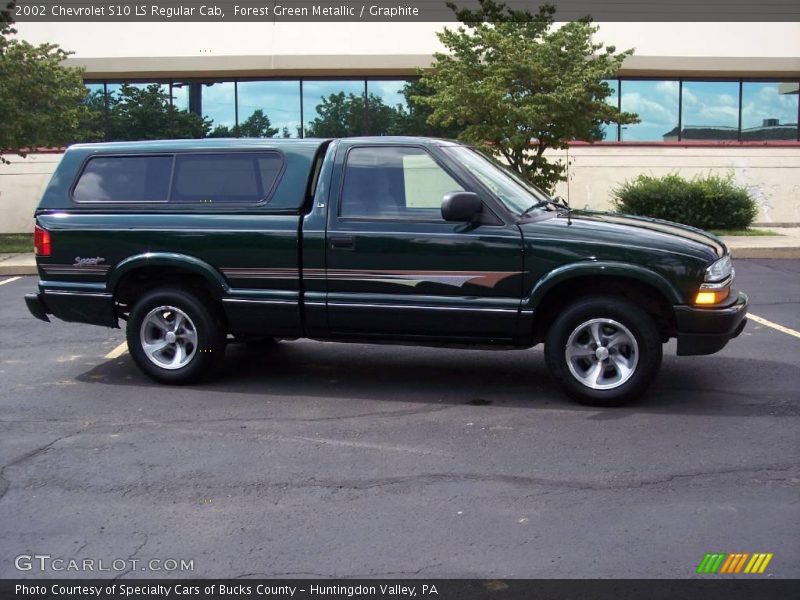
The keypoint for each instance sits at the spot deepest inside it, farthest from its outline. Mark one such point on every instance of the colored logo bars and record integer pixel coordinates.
(734, 563)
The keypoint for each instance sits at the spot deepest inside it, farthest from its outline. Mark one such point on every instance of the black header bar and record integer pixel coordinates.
(269, 11)
(710, 588)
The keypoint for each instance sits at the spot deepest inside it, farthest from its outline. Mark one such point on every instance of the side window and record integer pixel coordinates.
(124, 179)
(242, 177)
(394, 183)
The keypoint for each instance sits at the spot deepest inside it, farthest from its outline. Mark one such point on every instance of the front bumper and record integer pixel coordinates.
(708, 330)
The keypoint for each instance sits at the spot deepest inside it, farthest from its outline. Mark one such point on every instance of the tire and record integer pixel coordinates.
(625, 367)
(196, 330)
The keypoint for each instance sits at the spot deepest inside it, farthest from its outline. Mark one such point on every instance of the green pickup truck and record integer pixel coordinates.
(383, 240)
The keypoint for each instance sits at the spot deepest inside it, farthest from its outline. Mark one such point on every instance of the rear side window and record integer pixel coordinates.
(124, 179)
(214, 178)
(245, 177)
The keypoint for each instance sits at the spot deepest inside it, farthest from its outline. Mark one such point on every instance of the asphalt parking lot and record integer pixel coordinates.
(319, 459)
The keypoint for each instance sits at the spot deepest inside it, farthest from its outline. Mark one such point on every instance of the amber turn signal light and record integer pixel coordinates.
(705, 298)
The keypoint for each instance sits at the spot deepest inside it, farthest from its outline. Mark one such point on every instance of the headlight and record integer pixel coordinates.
(717, 286)
(720, 270)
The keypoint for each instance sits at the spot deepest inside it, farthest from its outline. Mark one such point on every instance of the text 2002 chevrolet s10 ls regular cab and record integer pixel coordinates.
(368, 239)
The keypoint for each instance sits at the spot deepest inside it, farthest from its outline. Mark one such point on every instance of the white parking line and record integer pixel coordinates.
(118, 351)
(775, 326)
(5, 281)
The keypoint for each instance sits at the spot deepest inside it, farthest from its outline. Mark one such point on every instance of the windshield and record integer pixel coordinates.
(517, 194)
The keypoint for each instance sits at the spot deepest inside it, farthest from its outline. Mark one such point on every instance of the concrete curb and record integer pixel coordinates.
(788, 253)
(18, 270)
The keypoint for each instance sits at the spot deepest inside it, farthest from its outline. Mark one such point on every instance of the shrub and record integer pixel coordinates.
(711, 202)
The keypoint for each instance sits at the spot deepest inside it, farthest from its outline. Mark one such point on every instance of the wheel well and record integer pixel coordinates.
(566, 292)
(143, 279)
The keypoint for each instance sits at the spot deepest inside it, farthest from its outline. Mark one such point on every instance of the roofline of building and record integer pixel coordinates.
(401, 65)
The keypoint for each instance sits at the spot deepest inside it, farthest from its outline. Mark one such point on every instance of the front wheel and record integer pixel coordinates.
(175, 336)
(603, 351)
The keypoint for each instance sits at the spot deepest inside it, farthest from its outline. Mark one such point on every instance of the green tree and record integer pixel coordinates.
(40, 99)
(339, 115)
(146, 113)
(383, 119)
(342, 115)
(6, 23)
(92, 123)
(257, 125)
(414, 120)
(223, 131)
(517, 85)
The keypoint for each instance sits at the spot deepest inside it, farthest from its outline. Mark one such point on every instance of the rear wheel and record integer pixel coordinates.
(175, 336)
(604, 351)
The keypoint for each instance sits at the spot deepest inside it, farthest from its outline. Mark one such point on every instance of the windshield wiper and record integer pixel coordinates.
(557, 202)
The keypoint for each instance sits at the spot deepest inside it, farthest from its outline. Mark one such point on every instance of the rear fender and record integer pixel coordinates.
(183, 262)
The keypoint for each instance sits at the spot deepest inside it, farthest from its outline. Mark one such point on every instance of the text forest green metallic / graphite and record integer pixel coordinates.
(295, 264)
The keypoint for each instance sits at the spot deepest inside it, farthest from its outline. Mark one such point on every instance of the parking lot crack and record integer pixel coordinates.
(4, 482)
(132, 555)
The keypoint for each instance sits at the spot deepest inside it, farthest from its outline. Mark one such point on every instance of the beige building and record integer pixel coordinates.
(712, 97)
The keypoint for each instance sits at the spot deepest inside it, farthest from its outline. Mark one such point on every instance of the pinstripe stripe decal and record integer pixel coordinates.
(57, 269)
(488, 279)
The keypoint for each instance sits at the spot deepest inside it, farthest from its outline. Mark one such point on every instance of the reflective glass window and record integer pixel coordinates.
(710, 110)
(269, 109)
(219, 107)
(656, 103)
(334, 108)
(769, 111)
(387, 109)
(608, 131)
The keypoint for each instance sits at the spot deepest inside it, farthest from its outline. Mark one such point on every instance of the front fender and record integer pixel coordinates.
(169, 259)
(599, 269)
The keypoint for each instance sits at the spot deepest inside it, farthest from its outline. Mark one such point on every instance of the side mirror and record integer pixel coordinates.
(461, 206)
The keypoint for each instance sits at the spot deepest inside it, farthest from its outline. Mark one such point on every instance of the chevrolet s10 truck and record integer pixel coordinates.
(384, 240)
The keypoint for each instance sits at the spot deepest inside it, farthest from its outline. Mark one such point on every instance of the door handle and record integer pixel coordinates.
(342, 242)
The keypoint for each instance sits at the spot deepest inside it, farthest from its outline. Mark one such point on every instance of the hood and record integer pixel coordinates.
(628, 231)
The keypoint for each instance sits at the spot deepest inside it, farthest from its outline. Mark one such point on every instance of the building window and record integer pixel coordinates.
(334, 108)
(609, 132)
(656, 103)
(387, 109)
(180, 92)
(709, 111)
(125, 91)
(769, 111)
(669, 110)
(219, 107)
(137, 111)
(269, 109)
(95, 89)
(94, 121)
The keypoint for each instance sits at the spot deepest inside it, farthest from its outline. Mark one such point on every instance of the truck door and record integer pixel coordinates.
(396, 269)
